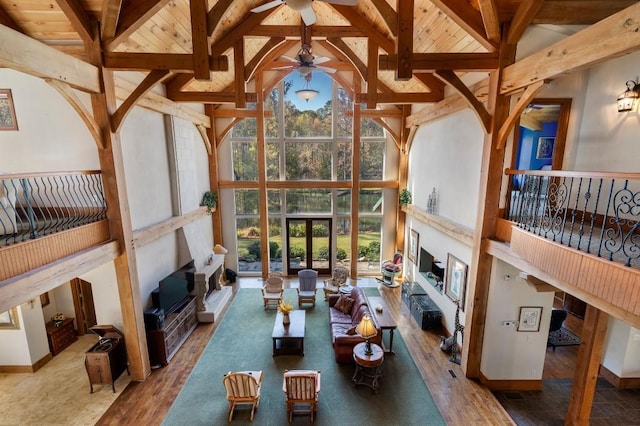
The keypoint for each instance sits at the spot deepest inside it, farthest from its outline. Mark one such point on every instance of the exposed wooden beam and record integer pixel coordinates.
(200, 39)
(79, 19)
(578, 12)
(215, 14)
(434, 84)
(176, 62)
(399, 98)
(361, 23)
(224, 132)
(539, 285)
(261, 56)
(404, 41)
(144, 236)
(339, 48)
(214, 178)
(392, 132)
(247, 22)
(210, 97)
(476, 106)
(205, 138)
(377, 113)
(612, 37)
(24, 54)
(87, 118)
(7, 20)
(110, 16)
(388, 14)
(154, 77)
(522, 19)
(489, 13)
(240, 113)
(445, 61)
(238, 66)
(319, 31)
(468, 18)
(132, 17)
(448, 227)
(515, 113)
(178, 81)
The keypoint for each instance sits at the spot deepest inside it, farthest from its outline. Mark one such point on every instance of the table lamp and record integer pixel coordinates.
(218, 249)
(367, 330)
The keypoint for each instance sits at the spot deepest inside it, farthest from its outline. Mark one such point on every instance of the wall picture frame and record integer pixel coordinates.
(414, 245)
(44, 299)
(530, 318)
(8, 119)
(9, 320)
(455, 285)
(544, 150)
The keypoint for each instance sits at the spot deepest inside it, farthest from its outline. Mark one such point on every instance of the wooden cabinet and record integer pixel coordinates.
(178, 325)
(60, 337)
(107, 359)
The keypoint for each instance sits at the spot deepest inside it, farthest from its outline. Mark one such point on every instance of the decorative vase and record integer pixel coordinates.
(285, 320)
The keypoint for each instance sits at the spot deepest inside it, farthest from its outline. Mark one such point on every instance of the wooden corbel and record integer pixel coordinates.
(477, 107)
(205, 137)
(526, 98)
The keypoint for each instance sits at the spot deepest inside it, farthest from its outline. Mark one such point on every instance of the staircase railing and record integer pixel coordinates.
(596, 212)
(37, 204)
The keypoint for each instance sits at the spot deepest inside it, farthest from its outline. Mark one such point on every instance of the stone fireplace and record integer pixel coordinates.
(210, 296)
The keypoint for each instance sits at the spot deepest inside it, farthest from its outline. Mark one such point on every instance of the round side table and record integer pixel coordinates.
(368, 367)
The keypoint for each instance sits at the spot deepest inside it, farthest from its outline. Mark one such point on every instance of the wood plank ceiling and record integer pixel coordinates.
(449, 36)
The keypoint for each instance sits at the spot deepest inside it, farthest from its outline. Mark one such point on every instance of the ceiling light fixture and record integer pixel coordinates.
(307, 93)
(628, 99)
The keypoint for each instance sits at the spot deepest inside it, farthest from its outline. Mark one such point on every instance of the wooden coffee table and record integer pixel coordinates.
(289, 340)
(384, 320)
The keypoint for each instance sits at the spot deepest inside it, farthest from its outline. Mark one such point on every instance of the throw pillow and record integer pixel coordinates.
(344, 304)
(351, 330)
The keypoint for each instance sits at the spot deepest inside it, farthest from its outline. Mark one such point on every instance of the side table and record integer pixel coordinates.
(368, 367)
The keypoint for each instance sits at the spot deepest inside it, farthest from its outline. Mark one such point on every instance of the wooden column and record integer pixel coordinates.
(262, 177)
(488, 209)
(355, 178)
(216, 217)
(594, 331)
(112, 166)
(403, 176)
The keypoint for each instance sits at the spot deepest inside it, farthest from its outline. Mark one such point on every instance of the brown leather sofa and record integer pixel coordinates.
(340, 323)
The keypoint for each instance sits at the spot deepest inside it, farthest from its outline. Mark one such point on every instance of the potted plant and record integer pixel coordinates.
(210, 200)
(405, 197)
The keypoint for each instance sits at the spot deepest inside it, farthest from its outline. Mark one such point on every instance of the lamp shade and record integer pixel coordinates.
(218, 249)
(629, 98)
(365, 328)
(307, 94)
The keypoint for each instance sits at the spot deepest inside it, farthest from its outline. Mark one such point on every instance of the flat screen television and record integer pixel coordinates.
(173, 289)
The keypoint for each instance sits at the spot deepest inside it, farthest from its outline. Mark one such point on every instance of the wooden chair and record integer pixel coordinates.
(337, 280)
(243, 387)
(307, 288)
(301, 388)
(272, 291)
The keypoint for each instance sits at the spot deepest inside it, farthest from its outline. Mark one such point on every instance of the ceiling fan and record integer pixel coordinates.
(305, 62)
(302, 6)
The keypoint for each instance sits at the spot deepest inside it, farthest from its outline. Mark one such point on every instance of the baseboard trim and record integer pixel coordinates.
(619, 382)
(507, 385)
(13, 369)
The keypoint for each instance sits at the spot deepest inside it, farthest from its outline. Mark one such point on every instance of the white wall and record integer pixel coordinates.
(106, 299)
(506, 353)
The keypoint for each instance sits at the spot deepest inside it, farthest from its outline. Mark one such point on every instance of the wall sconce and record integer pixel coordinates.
(629, 98)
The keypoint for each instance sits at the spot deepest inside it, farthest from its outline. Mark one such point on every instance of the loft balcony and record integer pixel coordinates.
(45, 217)
(579, 230)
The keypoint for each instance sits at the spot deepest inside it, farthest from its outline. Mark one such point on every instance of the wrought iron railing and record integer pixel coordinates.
(37, 204)
(597, 213)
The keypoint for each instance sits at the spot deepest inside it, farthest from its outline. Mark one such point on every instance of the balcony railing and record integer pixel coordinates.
(597, 213)
(37, 204)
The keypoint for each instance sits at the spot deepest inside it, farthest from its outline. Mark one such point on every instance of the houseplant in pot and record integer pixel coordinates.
(405, 197)
(210, 200)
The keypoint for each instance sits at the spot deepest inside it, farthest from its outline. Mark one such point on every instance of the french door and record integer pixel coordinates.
(309, 245)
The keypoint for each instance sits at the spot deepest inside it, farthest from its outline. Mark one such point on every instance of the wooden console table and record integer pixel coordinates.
(60, 337)
(385, 322)
(178, 325)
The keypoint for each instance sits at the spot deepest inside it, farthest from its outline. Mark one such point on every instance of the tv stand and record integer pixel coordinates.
(178, 325)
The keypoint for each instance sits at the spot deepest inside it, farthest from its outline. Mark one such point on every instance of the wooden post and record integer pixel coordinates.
(594, 331)
(216, 217)
(262, 177)
(355, 178)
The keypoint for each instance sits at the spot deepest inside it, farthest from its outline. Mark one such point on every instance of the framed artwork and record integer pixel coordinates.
(545, 148)
(414, 238)
(9, 320)
(529, 318)
(456, 279)
(7, 111)
(44, 299)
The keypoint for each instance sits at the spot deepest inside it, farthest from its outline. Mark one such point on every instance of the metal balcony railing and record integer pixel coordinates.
(597, 213)
(37, 204)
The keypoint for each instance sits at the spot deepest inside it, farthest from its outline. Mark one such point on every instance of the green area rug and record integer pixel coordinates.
(243, 341)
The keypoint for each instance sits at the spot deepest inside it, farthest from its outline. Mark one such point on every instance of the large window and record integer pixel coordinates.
(309, 142)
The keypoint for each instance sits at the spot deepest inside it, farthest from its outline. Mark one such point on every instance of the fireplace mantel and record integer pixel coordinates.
(209, 307)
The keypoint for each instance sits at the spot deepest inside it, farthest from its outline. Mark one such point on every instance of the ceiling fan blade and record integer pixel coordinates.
(290, 59)
(321, 60)
(343, 2)
(326, 69)
(267, 6)
(308, 15)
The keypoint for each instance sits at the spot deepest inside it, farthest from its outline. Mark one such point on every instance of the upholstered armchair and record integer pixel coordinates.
(301, 387)
(307, 288)
(337, 280)
(390, 269)
(272, 291)
(243, 387)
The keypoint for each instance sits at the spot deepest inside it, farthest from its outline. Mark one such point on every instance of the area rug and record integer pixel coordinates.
(562, 337)
(243, 341)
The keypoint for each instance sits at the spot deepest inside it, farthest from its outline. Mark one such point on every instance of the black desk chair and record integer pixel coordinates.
(557, 319)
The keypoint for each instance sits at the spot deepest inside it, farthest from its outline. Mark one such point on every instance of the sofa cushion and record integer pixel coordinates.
(339, 317)
(344, 304)
(357, 314)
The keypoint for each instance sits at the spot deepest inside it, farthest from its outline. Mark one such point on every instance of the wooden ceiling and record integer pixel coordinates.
(371, 42)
